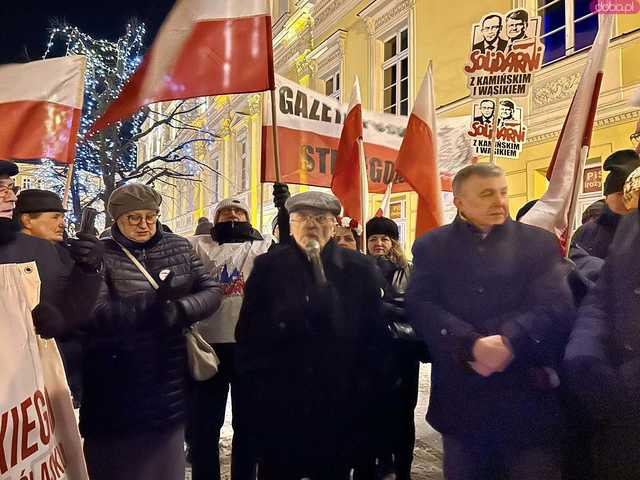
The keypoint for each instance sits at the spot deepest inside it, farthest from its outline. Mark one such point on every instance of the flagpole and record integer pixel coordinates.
(494, 129)
(67, 186)
(274, 123)
(573, 207)
(364, 193)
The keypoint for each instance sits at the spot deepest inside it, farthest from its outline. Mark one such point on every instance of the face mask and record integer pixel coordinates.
(232, 232)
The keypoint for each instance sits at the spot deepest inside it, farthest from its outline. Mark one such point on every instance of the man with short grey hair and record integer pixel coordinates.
(489, 297)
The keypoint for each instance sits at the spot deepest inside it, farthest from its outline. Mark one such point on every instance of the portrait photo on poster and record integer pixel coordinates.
(505, 50)
(511, 133)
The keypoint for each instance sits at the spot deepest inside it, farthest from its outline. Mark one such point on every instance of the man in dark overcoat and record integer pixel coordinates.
(305, 348)
(490, 298)
(602, 360)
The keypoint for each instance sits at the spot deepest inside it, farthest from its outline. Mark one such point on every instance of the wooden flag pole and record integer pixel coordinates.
(67, 187)
(494, 129)
(573, 207)
(364, 193)
(274, 127)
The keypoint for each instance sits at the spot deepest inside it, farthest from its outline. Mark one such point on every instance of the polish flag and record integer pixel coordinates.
(385, 205)
(555, 211)
(346, 183)
(418, 157)
(204, 48)
(40, 108)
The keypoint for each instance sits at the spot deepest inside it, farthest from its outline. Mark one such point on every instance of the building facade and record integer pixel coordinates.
(388, 44)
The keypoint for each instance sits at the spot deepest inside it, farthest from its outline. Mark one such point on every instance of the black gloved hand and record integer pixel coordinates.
(280, 194)
(48, 321)
(165, 284)
(87, 251)
(172, 314)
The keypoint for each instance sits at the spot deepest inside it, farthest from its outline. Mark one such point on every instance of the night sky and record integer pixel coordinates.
(24, 24)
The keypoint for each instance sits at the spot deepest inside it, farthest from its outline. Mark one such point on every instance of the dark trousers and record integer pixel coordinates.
(471, 460)
(272, 469)
(617, 452)
(207, 418)
(137, 455)
(394, 446)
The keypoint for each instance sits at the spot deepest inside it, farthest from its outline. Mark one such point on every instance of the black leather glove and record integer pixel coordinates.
(87, 251)
(172, 314)
(165, 284)
(48, 321)
(280, 194)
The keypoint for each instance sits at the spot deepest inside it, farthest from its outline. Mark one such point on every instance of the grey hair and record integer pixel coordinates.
(482, 170)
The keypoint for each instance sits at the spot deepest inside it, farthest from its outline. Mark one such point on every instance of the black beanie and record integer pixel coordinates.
(619, 165)
(382, 226)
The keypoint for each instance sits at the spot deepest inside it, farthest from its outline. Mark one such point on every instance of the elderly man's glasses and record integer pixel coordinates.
(135, 220)
(5, 189)
(308, 217)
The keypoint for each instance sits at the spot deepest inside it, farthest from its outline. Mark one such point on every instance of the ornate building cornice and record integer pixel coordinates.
(328, 56)
(327, 12)
(556, 89)
(381, 14)
(619, 117)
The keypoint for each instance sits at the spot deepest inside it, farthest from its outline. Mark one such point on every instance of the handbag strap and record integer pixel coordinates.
(137, 263)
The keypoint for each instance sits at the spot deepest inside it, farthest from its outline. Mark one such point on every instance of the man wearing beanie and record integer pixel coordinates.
(596, 237)
(134, 406)
(306, 348)
(228, 254)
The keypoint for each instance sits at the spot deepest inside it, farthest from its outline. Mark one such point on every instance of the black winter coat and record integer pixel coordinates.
(306, 355)
(135, 370)
(511, 283)
(596, 236)
(602, 359)
(64, 285)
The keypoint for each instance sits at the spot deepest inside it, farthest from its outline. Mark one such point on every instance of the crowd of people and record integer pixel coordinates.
(320, 329)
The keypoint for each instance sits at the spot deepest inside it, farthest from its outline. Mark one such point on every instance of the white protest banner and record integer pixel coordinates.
(309, 126)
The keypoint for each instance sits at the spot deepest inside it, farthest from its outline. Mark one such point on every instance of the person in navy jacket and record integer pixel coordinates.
(490, 298)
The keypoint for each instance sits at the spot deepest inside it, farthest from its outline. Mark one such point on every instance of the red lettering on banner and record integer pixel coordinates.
(43, 417)
(44, 472)
(3, 432)
(14, 437)
(513, 62)
(27, 428)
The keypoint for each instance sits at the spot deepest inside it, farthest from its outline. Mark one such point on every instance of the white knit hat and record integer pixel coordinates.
(230, 202)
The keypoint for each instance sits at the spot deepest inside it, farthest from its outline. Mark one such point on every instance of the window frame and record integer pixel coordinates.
(243, 161)
(336, 77)
(396, 60)
(569, 26)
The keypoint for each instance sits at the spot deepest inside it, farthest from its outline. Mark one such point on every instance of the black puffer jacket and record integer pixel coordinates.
(135, 369)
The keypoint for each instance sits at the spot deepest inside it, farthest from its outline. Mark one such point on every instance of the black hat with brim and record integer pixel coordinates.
(38, 201)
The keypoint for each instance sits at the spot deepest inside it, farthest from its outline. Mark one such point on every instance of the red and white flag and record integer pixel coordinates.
(385, 205)
(40, 108)
(204, 47)
(418, 157)
(346, 182)
(553, 210)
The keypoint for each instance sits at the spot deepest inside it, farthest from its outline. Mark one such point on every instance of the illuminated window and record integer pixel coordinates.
(395, 70)
(243, 174)
(332, 87)
(27, 183)
(567, 26)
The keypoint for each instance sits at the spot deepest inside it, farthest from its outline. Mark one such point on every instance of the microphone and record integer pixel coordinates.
(312, 249)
